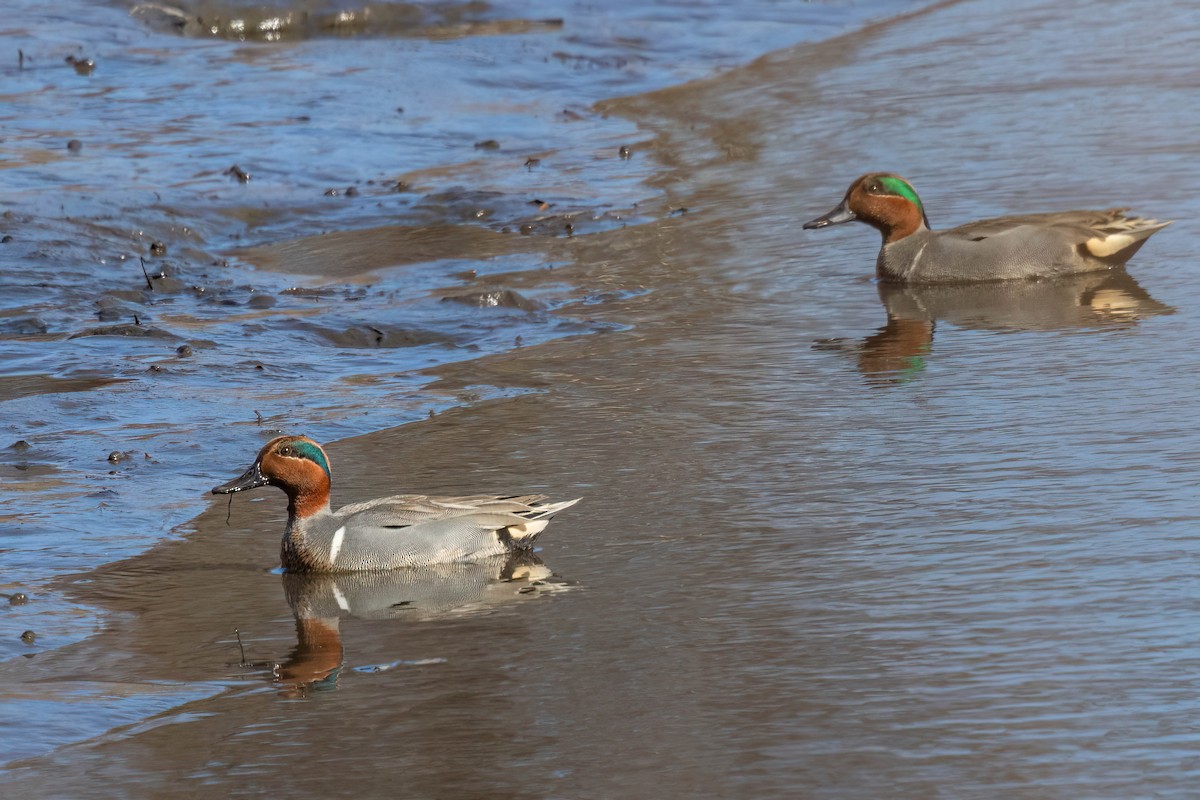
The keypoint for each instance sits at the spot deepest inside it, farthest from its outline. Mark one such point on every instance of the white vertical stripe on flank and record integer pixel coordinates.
(336, 547)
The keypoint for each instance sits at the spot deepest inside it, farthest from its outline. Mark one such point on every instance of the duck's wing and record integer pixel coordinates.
(410, 509)
(1077, 225)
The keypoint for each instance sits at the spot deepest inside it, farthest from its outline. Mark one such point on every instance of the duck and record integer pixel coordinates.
(408, 530)
(1029, 246)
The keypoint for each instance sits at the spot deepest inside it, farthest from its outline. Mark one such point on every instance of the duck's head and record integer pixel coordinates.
(295, 464)
(884, 201)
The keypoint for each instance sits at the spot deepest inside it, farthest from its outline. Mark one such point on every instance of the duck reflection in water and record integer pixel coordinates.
(897, 352)
(418, 594)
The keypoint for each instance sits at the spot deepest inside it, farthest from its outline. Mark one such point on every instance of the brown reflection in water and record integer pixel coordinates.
(897, 352)
(316, 658)
(318, 602)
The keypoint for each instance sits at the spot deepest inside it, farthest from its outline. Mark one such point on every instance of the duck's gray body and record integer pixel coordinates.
(1017, 247)
(414, 530)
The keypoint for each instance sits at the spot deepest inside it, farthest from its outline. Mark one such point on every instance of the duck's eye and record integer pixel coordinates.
(874, 188)
(286, 450)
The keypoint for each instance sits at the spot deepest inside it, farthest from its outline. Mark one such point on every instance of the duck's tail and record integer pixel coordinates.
(1121, 236)
(537, 518)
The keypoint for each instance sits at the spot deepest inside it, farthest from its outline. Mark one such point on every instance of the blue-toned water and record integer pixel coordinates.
(374, 135)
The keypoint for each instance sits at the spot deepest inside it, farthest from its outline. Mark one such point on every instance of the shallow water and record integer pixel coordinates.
(385, 241)
(837, 540)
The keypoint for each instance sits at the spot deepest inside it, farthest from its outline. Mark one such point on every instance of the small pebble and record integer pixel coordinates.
(18, 599)
(487, 144)
(74, 145)
(28, 636)
(158, 249)
(350, 191)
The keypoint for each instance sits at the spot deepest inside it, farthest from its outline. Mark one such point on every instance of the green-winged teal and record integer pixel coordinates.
(390, 532)
(1004, 248)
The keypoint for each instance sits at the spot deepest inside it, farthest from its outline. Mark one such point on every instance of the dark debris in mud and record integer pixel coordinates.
(238, 173)
(82, 65)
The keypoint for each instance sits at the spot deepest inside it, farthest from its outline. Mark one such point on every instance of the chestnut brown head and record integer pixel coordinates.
(884, 201)
(295, 464)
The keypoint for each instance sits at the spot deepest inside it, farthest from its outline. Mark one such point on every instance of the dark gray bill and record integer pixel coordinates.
(836, 217)
(251, 479)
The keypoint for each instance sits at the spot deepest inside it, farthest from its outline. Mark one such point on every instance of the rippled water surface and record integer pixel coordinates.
(837, 539)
